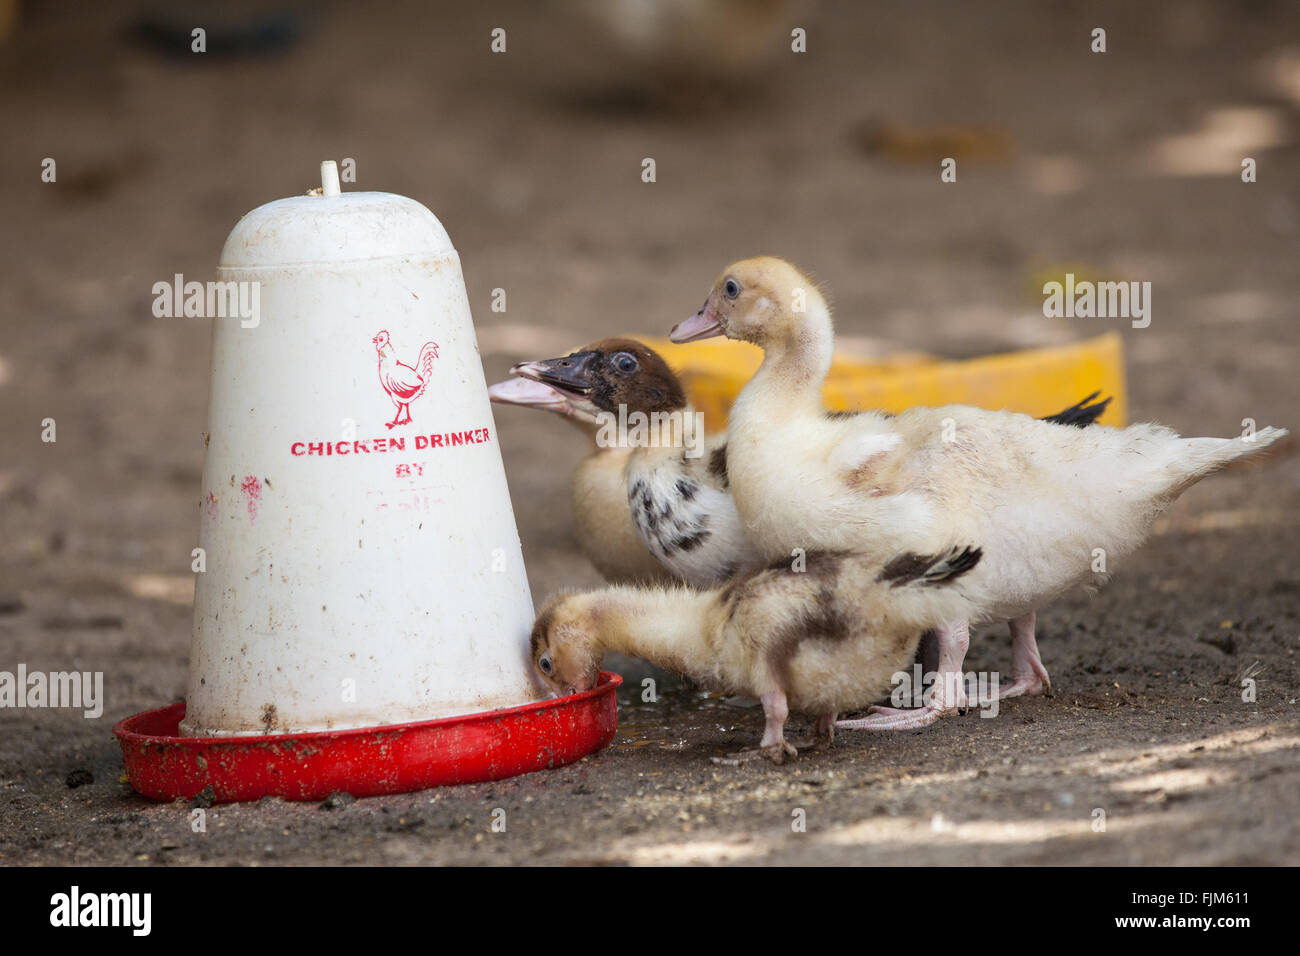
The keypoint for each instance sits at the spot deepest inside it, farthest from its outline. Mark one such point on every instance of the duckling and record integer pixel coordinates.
(598, 489)
(675, 477)
(1044, 499)
(821, 640)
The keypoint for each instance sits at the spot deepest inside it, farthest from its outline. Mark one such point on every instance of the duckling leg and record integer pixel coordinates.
(823, 734)
(774, 745)
(1028, 675)
(826, 729)
(946, 696)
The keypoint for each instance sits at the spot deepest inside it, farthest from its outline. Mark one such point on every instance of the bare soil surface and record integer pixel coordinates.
(532, 160)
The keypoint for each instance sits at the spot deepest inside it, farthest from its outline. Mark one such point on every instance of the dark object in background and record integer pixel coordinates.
(920, 145)
(170, 33)
(79, 778)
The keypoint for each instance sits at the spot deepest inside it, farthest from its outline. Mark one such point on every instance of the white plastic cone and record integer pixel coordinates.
(362, 562)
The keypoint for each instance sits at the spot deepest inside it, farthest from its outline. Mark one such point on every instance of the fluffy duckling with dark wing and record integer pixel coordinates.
(675, 489)
(1041, 498)
(821, 640)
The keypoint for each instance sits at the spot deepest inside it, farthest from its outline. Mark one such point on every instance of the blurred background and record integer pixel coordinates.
(1121, 165)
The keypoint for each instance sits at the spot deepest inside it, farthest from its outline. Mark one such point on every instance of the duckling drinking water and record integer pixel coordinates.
(820, 640)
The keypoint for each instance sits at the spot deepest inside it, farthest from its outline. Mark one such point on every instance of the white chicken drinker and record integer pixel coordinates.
(362, 562)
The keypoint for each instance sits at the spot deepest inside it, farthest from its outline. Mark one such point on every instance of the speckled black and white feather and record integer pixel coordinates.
(685, 516)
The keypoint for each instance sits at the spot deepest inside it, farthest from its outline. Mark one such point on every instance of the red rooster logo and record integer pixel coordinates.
(403, 383)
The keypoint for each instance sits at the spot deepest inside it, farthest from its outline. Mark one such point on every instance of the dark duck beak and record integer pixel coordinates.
(574, 373)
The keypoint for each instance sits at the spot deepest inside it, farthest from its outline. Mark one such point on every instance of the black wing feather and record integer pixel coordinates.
(1081, 415)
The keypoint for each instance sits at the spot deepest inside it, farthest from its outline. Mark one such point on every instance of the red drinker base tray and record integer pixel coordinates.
(366, 761)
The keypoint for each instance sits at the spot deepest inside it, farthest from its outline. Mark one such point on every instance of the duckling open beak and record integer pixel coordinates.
(570, 374)
(704, 324)
(523, 391)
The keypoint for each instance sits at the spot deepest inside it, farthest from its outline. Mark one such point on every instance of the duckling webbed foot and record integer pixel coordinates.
(891, 718)
(945, 697)
(777, 754)
(779, 751)
(773, 746)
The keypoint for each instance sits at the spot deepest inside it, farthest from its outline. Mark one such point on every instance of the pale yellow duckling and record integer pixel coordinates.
(1044, 500)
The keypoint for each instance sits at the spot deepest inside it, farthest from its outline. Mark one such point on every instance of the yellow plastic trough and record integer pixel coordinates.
(1035, 381)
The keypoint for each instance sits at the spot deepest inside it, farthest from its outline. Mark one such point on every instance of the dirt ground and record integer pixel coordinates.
(532, 160)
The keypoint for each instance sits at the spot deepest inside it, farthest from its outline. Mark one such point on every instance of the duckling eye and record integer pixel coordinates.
(544, 662)
(625, 363)
(731, 288)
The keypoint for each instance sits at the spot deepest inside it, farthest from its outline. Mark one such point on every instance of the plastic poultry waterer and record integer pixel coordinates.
(362, 622)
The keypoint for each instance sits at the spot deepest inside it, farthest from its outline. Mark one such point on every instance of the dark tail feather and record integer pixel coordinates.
(1081, 415)
(929, 570)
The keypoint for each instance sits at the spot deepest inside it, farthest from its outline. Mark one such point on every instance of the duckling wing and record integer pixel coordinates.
(688, 522)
